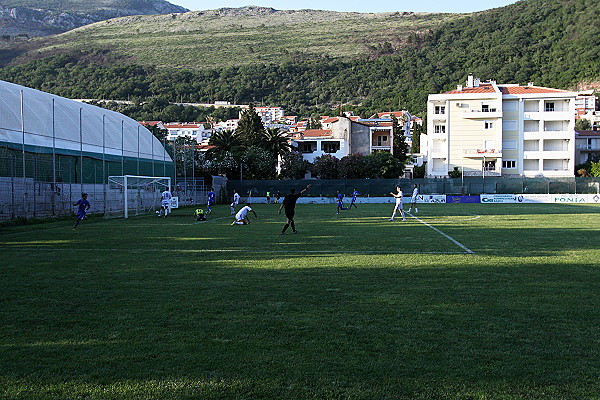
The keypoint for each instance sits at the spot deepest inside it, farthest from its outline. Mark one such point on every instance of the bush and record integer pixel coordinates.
(326, 167)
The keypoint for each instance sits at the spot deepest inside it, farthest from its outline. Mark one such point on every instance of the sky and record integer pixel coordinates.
(453, 6)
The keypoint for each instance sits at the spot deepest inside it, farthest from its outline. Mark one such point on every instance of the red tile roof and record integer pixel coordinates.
(313, 133)
(528, 89)
(483, 88)
(587, 133)
(187, 126)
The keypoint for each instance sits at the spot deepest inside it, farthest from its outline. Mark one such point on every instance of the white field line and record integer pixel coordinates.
(247, 251)
(456, 242)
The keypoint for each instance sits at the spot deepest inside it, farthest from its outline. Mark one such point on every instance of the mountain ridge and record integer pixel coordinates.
(27, 18)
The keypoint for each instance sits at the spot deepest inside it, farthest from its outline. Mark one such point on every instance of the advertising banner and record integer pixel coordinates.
(463, 199)
(498, 198)
(174, 202)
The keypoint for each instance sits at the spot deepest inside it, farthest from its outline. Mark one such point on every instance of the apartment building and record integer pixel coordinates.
(194, 130)
(486, 129)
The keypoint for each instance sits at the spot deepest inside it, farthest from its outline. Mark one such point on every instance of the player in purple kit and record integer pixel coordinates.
(84, 205)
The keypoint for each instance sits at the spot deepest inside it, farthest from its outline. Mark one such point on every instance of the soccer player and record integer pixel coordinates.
(268, 197)
(354, 194)
(340, 202)
(84, 205)
(398, 206)
(210, 200)
(165, 202)
(236, 201)
(277, 197)
(289, 203)
(241, 218)
(413, 199)
(199, 215)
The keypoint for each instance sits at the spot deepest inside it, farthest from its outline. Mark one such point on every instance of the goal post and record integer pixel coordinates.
(135, 195)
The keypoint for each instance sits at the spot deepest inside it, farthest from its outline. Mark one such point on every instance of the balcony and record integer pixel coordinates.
(548, 116)
(482, 153)
(548, 135)
(589, 147)
(488, 113)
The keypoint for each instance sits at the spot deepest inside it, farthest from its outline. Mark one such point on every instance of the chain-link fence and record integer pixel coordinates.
(45, 185)
(382, 187)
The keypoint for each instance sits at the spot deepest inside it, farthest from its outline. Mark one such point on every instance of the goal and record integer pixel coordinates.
(134, 195)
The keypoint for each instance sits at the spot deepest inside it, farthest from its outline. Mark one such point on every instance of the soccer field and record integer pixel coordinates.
(461, 301)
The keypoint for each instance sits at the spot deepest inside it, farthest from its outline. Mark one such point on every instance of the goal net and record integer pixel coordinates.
(130, 195)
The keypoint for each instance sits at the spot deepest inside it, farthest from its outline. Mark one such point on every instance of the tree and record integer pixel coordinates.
(400, 147)
(275, 142)
(353, 166)
(583, 124)
(250, 127)
(258, 163)
(595, 170)
(294, 166)
(418, 130)
(382, 164)
(326, 167)
(159, 133)
(225, 142)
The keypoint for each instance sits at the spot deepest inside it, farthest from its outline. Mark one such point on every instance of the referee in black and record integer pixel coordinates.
(289, 203)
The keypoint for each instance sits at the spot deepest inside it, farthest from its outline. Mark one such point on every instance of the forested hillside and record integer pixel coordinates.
(550, 42)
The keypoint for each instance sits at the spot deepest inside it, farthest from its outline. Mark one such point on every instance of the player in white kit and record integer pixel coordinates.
(241, 218)
(413, 199)
(236, 201)
(398, 206)
(165, 202)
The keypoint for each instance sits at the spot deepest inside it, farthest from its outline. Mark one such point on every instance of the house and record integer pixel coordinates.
(585, 103)
(193, 130)
(488, 129)
(587, 146)
(344, 136)
(230, 124)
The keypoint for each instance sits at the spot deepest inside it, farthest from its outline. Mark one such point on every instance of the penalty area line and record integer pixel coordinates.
(456, 242)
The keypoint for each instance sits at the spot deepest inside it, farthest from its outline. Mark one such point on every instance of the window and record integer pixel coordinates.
(509, 145)
(382, 140)
(487, 108)
(330, 147)
(489, 165)
(549, 106)
(440, 110)
(306, 147)
(509, 164)
(509, 125)
(488, 125)
(510, 105)
(439, 129)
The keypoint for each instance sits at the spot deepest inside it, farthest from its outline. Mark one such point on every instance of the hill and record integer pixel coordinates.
(46, 17)
(235, 37)
(362, 60)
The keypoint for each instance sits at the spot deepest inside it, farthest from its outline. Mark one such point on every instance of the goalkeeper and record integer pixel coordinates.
(199, 215)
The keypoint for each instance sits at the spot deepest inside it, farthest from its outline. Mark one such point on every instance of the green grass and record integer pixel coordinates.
(352, 307)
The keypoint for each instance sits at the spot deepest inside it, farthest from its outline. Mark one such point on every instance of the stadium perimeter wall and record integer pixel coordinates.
(382, 187)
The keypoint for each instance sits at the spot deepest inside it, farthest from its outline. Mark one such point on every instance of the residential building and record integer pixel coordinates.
(313, 143)
(587, 146)
(585, 102)
(269, 115)
(344, 136)
(488, 129)
(193, 130)
(230, 124)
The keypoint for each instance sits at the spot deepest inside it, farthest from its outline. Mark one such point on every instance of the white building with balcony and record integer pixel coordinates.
(486, 129)
(194, 131)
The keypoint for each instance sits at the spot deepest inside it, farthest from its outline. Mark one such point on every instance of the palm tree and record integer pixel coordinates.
(227, 141)
(275, 142)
